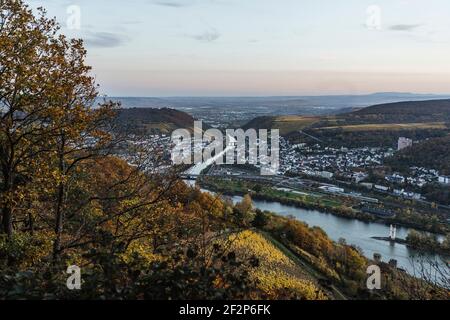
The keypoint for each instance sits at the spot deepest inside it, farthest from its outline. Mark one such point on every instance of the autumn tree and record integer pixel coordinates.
(79, 128)
(260, 220)
(48, 120)
(65, 199)
(246, 205)
(27, 65)
(243, 209)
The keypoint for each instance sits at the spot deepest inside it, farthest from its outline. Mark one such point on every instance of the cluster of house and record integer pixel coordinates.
(150, 151)
(316, 161)
(419, 177)
(397, 192)
(326, 162)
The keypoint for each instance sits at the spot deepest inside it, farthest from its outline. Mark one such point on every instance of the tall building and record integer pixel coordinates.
(393, 232)
(404, 143)
(444, 179)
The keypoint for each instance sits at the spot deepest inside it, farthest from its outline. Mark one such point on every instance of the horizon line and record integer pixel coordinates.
(275, 96)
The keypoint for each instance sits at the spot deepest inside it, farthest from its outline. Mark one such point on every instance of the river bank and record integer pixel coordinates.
(337, 210)
(343, 212)
(355, 232)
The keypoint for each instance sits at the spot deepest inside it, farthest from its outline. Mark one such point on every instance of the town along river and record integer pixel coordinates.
(355, 232)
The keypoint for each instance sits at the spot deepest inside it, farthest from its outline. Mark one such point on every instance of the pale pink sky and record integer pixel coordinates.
(263, 47)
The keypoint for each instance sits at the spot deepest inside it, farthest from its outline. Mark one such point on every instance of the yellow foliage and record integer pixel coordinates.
(141, 250)
(30, 250)
(276, 273)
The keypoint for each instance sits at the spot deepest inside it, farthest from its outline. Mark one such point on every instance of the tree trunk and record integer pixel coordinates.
(59, 214)
(31, 223)
(7, 221)
(59, 222)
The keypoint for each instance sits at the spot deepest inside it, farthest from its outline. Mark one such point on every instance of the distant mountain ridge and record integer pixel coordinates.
(185, 101)
(273, 105)
(416, 107)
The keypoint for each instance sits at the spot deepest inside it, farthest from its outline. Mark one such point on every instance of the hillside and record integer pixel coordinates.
(277, 274)
(286, 124)
(81, 221)
(378, 125)
(432, 153)
(153, 120)
(402, 112)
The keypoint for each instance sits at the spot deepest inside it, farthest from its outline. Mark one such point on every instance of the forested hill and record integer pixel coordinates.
(153, 120)
(378, 125)
(402, 112)
(431, 153)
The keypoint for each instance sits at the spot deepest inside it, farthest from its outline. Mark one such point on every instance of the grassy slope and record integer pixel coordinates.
(389, 126)
(285, 124)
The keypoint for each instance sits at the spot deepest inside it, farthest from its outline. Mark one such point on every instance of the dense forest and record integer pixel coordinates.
(402, 112)
(66, 200)
(152, 120)
(431, 153)
(339, 137)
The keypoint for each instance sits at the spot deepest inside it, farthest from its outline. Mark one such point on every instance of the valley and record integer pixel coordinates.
(195, 153)
(319, 172)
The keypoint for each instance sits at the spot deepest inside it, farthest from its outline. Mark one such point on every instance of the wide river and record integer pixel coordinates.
(355, 232)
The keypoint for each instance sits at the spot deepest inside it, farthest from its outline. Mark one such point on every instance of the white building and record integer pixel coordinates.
(382, 188)
(444, 179)
(404, 143)
(359, 176)
(326, 174)
(332, 189)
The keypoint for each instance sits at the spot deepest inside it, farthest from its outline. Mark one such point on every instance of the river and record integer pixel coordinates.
(355, 232)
